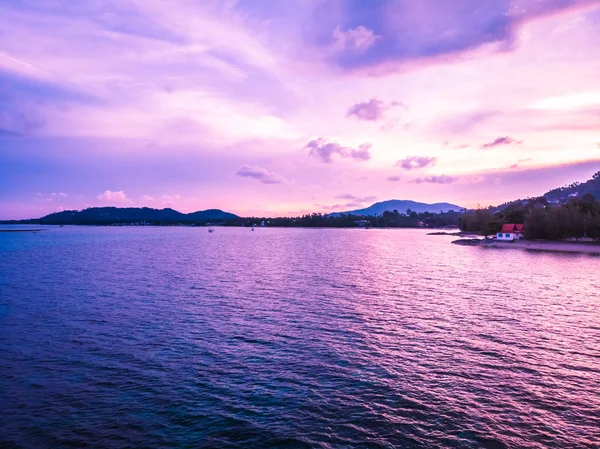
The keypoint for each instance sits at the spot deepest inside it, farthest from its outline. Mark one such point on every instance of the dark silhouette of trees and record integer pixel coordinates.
(389, 219)
(577, 218)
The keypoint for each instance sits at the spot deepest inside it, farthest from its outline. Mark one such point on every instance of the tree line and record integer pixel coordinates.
(574, 219)
(393, 219)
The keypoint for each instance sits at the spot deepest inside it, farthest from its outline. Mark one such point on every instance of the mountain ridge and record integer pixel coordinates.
(401, 206)
(113, 214)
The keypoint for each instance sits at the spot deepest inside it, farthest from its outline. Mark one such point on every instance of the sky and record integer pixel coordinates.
(273, 108)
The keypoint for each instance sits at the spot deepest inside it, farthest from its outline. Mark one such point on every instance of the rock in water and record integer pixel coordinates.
(468, 242)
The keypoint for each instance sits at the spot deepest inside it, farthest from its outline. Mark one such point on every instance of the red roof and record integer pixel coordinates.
(511, 227)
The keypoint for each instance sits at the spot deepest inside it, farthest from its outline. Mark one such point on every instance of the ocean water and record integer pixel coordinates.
(293, 338)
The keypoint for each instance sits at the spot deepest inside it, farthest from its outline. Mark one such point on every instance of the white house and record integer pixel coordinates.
(511, 232)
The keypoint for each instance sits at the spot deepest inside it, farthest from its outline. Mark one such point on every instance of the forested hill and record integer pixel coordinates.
(108, 215)
(560, 195)
(579, 189)
(570, 212)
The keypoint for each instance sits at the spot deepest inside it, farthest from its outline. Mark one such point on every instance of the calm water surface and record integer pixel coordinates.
(285, 338)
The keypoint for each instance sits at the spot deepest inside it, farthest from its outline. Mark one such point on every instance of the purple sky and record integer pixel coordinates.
(277, 108)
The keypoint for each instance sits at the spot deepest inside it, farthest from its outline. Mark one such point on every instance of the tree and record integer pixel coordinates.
(475, 221)
(491, 227)
(536, 224)
(593, 227)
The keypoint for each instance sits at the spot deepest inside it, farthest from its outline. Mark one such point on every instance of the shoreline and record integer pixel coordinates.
(22, 230)
(565, 247)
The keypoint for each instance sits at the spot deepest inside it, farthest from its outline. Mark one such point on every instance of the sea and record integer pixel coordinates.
(173, 337)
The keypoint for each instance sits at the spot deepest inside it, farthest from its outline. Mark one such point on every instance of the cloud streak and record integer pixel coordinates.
(501, 141)
(260, 174)
(326, 151)
(441, 179)
(356, 199)
(416, 162)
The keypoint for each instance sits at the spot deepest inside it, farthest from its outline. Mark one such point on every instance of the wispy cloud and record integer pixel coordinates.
(260, 174)
(416, 162)
(394, 178)
(441, 179)
(356, 199)
(18, 116)
(327, 150)
(372, 110)
(501, 141)
(576, 101)
(162, 200)
(520, 162)
(460, 146)
(464, 123)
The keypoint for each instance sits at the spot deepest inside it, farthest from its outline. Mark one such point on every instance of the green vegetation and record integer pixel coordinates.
(395, 219)
(127, 215)
(574, 219)
(591, 187)
(562, 194)
(168, 217)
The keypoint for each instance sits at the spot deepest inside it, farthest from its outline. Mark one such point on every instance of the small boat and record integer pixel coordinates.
(210, 229)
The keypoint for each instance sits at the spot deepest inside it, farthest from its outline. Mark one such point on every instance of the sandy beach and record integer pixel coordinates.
(567, 247)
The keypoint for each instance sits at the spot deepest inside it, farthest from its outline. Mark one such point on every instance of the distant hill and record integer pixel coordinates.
(561, 195)
(401, 206)
(211, 214)
(107, 215)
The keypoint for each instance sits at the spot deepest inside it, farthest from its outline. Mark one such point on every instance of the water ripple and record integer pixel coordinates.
(293, 338)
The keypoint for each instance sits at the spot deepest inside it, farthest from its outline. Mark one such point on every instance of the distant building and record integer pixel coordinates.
(511, 232)
(363, 223)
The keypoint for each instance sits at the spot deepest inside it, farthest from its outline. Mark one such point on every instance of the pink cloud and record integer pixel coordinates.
(260, 174)
(373, 110)
(416, 162)
(501, 141)
(356, 199)
(356, 39)
(441, 179)
(116, 197)
(326, 150)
